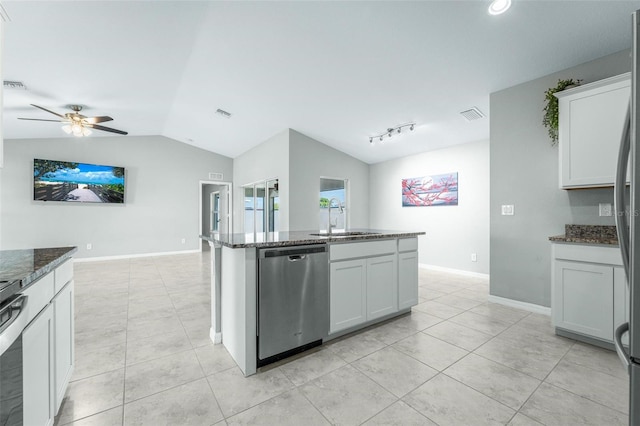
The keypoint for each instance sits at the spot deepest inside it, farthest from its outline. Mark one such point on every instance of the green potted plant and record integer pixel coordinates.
(550, 119)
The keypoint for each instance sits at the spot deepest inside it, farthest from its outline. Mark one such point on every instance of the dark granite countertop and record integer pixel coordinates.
(588, 234)
(296, 238)
(28, 265)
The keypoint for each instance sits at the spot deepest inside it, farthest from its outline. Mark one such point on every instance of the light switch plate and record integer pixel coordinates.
(604, 209)
(508, 210)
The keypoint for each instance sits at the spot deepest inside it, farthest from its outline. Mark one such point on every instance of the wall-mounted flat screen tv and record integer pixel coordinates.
(77, 182)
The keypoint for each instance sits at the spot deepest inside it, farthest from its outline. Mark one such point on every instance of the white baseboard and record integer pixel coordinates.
(538, 309)
(132, 256)
(216, 338)
(453, 271)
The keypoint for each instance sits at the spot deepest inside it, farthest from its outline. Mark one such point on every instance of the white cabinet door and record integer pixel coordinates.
(382, 286)
(37, 354)
(620, 301)
(591, 121)
(63, 341)
(583, 298)
(348, 282)
(407, 279)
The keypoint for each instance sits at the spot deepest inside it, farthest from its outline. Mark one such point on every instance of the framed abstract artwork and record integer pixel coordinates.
(435, 190)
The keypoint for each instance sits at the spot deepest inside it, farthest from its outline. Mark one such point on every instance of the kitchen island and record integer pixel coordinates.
(373, 276)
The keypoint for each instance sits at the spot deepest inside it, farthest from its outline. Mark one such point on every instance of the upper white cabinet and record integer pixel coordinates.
(591, 121)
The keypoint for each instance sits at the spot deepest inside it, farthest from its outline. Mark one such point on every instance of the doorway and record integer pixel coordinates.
(215, 209)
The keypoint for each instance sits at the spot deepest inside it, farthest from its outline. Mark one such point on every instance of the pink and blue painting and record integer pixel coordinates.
(436, 190)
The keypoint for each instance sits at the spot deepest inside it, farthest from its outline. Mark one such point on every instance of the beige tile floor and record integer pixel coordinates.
(143, 357)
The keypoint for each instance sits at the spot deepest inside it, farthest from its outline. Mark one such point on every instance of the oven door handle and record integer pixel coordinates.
(16, 324)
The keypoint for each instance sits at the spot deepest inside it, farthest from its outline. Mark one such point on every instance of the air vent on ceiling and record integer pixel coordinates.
(14, 85)
(223, 113)
(215, 176)
(472, 114)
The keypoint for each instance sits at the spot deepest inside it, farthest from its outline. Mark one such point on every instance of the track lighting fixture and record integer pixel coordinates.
(391, 130)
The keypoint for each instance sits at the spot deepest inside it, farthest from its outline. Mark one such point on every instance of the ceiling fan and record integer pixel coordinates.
(78, 124)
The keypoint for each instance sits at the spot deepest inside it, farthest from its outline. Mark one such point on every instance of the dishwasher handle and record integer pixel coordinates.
(294, 253)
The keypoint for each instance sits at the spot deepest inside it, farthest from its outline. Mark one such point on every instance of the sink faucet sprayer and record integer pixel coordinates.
(340, 209)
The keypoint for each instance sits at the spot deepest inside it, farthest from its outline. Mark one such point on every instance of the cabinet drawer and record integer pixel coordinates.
(363, 249)
(63, 274)
(39, 295)
(407, 244)
(587, 253)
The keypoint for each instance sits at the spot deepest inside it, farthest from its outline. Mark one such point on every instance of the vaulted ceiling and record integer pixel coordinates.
(339, 72)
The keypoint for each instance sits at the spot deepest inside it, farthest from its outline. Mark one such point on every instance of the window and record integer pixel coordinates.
(257, 196)
(333, 195)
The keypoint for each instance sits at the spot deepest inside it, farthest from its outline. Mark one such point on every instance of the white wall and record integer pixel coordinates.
(310, 160)
(452, 232)
(266, 161)
(161, 196)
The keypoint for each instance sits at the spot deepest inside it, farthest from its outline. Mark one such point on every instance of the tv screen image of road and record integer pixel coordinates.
(77, 182)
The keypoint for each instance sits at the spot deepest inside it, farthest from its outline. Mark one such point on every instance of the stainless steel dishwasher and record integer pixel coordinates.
(293, 300)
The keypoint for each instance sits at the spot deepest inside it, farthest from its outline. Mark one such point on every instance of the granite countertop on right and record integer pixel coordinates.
(588, 234)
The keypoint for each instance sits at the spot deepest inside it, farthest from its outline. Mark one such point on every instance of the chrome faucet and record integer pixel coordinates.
(340, 209)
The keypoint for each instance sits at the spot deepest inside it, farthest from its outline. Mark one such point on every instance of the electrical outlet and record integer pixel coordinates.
(474, 257)
(604, 209)
(184, 240)
(89, 246)
(508, 210)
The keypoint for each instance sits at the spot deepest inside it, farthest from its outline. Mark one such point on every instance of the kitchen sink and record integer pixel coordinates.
(344, 234)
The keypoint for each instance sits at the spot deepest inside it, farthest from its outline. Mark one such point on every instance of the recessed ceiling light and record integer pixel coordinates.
(498, 7)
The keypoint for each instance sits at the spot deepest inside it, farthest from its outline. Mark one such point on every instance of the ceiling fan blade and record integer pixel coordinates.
(106, 129)
(49, 111)
(41, 119)
(100, 119)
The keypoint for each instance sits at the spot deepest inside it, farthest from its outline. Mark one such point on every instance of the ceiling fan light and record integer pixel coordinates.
(498, 7)
(76, 129)
(67, 129)
(86, 131)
